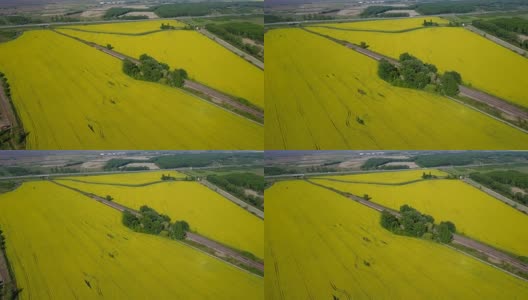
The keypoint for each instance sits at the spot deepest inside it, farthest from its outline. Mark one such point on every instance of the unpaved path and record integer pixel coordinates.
(218, 248)
(480, 96)
(496, 195)
(457, 238)
(5, 277)
(220, 98)
(7, 113)
(216, 96)
(234, 199)
(259, 64)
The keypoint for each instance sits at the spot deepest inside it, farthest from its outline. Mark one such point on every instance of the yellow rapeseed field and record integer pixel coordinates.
(387, 25)
(63, 245)
(127, 27)
(388, 177)
(475, 213)
(128, 178)
(317, 89)
(81, 99)
(320, 245)
(482, 63)
(203, 59)
(207, 212)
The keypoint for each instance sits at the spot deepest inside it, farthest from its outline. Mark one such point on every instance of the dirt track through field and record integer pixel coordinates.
(216, 97)
(457, 238)
(219, 249)
(480, 96)
(7, 114)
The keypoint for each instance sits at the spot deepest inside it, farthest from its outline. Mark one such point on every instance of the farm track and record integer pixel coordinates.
(375, 183)
(217, 97)
(219, 249)
(123, 184)
(457, 238)
(5, 276)
(6, 110)
(257, 63)
(257, 212)
(477, 95)
(496, 195)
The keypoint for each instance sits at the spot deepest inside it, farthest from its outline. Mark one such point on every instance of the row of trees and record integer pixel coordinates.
(413, 73)
(167, 26)
(502, 182)
(234, 39)
(237, 188)
(414, 223)
(505, 30)
(428, 176)
(151, 222)
(167, 177)
(151, 70)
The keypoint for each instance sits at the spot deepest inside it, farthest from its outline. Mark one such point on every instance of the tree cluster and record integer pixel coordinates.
(149, 69)
(429, 23)
(151, 222)
(414, 223)
(5, 85)
(167, 177)
(413, 73)
(167, 26)
(231, 35)
(428, 176)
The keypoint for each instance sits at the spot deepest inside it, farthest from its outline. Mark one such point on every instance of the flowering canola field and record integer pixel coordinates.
(317, 89)
(320, 245)
(387, 25)
(127, 27)
(387, 177)
(482, 63)
(82, 100)
(63, 245)
(207, 212)
(203, 59)
(128, 178)
(471, 210)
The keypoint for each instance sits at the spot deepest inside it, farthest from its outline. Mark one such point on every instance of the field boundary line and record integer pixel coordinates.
(496, 40)
(489, 115)
(118, 33)
(248, 207)
(247, 57)
(485, 262)
(481, 187)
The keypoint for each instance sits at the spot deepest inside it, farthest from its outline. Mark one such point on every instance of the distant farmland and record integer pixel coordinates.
(321, 245)
(83, 100)
(321, 95)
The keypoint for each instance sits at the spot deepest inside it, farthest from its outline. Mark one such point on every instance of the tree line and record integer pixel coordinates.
(235, 184)
(502, 183)
(229, 34)
(506, 29)
(151, 222)
(414, 223)
(413, 73)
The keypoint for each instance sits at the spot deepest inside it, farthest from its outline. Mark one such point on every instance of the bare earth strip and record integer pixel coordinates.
(219, 249)
(457, 238)
(216, 96)
(234, 199)
(6, 110)
(232, 48)
(493, 101)
(496, 195)
(4, 273)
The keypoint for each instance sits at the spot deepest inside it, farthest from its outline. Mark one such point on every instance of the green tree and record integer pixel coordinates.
(178, 230)
(449, 83)
(387, 71)
(389, 221)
